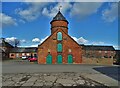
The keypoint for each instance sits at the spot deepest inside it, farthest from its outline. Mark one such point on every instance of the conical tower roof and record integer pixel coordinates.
(59, 17)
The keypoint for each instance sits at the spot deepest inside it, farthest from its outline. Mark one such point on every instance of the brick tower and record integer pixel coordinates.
(59, 47)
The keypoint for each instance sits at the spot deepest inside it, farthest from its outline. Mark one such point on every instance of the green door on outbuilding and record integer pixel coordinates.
(70, 59)
(59, 59)
(49, 59)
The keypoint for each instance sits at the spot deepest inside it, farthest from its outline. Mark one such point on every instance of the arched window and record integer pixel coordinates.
(59, 47)
(59, 36)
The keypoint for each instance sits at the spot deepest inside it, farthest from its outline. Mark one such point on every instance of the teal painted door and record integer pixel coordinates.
(49, 59)
(70, 59)
(59, 59)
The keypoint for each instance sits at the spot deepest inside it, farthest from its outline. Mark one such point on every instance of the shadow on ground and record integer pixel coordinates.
(113, 72)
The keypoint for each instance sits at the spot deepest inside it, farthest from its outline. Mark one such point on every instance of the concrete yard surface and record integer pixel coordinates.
(23, 73)
(48, 79)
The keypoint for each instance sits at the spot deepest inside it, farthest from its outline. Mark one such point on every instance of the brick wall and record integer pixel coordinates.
(19, 55)
(7, 50)
(98, 54)
(59, 24)
(98, 61)
(51, 45)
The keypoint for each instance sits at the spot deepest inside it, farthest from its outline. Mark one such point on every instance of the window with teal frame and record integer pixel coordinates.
(59, 36)
(59, 47)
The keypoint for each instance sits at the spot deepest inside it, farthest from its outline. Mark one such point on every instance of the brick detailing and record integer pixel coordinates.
(50, 46)
(59, 24)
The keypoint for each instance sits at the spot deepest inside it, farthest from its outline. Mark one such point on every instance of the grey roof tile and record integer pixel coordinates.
(59, 16)
(98, 47)
(23, 49)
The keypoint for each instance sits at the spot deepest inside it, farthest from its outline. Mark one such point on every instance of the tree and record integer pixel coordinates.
(16, 42)
(13, 41)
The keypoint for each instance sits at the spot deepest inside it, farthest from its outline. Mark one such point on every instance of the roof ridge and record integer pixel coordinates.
(46, 38)
(65, 33)
(71, 38)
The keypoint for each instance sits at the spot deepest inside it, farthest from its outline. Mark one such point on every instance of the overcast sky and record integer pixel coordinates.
(89, 22)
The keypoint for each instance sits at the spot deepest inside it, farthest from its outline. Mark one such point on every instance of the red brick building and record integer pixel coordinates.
(97, 54)
(59, 47)
(98, 51)
(5, 49)
(18, 52)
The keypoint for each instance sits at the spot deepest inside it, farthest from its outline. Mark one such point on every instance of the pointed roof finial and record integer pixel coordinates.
(60, 7)
(59, 16)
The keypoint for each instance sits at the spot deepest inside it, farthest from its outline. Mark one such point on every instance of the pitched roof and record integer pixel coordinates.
(71, 38)
(5, 44)
(98, 47)
(117, 52)
(58, 17)
(23, 49)
(55, 32)
(2, 50)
